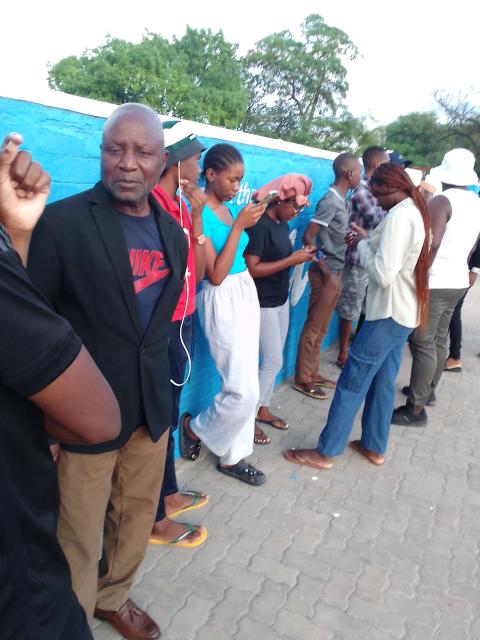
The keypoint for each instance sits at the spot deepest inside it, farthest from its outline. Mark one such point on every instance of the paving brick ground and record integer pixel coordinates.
(355, 553)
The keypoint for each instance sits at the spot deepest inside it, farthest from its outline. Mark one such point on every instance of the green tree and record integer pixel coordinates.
(217, 93)
(296, 87)
(196, 77)
(418, 137)
(463, 122)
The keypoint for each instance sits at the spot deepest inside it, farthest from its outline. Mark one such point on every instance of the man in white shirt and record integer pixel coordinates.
(455, 216)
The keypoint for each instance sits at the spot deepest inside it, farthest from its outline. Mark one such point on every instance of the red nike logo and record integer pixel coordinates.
(149, 265)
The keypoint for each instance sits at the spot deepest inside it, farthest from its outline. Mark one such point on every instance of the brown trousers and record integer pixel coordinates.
(324, 294)
(115, 492)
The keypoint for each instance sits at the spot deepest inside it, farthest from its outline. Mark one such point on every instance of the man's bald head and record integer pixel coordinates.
(135, 112)
(133, 156)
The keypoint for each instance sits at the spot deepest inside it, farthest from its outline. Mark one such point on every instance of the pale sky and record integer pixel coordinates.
(408, 48)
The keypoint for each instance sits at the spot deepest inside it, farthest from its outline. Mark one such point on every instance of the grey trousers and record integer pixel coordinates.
(273, 333)
(429, 344)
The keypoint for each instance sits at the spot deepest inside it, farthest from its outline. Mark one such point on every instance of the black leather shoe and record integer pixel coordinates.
(406, 417)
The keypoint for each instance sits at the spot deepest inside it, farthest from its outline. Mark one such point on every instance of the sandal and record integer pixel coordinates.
(311, 390)
(297, 456)
(244, 472)
(189, 448)
(325, 382)
(276, 423)
(371, 456)
(182, 539)
(198, 500)
(260, 437)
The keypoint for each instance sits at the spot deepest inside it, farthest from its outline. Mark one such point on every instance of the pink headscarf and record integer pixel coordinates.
(290, 185)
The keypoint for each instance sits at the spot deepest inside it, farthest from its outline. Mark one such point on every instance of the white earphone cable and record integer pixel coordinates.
(187, 291)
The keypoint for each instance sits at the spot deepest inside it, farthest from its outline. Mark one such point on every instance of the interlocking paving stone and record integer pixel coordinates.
(354, 553)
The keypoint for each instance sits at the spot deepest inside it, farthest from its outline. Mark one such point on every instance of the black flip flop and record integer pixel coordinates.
(271, 423)
(244, 472)
(189, 448)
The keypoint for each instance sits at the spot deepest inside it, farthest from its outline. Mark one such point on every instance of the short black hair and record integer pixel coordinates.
(370, 153)
(220, 157)
(343, 163)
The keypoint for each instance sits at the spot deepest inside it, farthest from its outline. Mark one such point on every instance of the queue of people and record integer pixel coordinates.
(120, 264)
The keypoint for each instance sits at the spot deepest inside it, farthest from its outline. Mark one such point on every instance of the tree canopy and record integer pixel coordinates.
(285, 87)
(296, 86)
(195, 77)
(418, 137)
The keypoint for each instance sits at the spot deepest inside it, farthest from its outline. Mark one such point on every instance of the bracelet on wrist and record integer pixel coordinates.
(199, 239)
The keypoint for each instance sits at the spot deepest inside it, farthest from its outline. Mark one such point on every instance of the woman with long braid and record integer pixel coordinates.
(396, 259)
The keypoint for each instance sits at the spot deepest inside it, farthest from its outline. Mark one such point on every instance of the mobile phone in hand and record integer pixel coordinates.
(271, 195)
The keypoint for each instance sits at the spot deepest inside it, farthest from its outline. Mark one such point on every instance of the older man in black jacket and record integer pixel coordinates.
(112, 262)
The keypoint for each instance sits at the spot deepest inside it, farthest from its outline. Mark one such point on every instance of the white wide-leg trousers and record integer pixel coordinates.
(230, 317)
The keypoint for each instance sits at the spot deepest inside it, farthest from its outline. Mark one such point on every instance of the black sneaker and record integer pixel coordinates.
(431, 402)
(405, 417)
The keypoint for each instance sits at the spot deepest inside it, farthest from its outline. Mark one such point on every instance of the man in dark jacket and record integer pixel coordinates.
(112, 262)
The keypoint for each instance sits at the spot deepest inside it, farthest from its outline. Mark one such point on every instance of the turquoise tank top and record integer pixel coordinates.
(218, 233)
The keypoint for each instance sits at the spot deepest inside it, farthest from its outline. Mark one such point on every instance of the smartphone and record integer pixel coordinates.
(271, 195)
(320, 255)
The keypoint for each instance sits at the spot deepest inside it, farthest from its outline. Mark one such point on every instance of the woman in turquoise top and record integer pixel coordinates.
(229, 313)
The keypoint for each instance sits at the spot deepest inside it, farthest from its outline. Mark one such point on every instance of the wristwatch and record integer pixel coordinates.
(200, 239)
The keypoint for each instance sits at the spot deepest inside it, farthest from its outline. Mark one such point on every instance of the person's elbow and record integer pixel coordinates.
(104, 425)
(217, 280)
(215, 277)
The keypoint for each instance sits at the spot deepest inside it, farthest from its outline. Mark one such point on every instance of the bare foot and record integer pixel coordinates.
(260, 437)
(342, 358)
(321, 381)
(190, 433)
(371, 456)
(176, 502)
(167, 530)
(309, 458)
(265, 415)
(451, 363)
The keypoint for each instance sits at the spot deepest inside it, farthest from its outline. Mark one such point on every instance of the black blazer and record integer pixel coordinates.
(78, 258)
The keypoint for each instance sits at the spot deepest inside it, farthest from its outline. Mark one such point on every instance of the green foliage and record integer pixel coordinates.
(217, 95)
(419, 137)
(196, 77)
(296, 87)
(463, 122)
(286, 87)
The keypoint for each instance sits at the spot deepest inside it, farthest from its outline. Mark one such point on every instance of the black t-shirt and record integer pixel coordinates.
(150, 269)
(269, 241)
(36, 346)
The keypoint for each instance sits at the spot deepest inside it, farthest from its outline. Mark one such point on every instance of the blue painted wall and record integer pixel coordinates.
(67, 144)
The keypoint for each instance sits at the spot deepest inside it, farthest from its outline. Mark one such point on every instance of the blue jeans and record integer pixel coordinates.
(369, 374)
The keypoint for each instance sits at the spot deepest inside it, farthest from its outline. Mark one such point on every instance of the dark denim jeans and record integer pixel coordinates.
(178, 361)
(369, 374)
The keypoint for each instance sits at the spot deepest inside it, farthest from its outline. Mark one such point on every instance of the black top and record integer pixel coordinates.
(269, 241)
(36, 346)
(148, 262)
(79, 259)
(474, 261)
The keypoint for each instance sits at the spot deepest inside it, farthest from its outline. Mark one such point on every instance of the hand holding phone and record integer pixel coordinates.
(266, 200)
